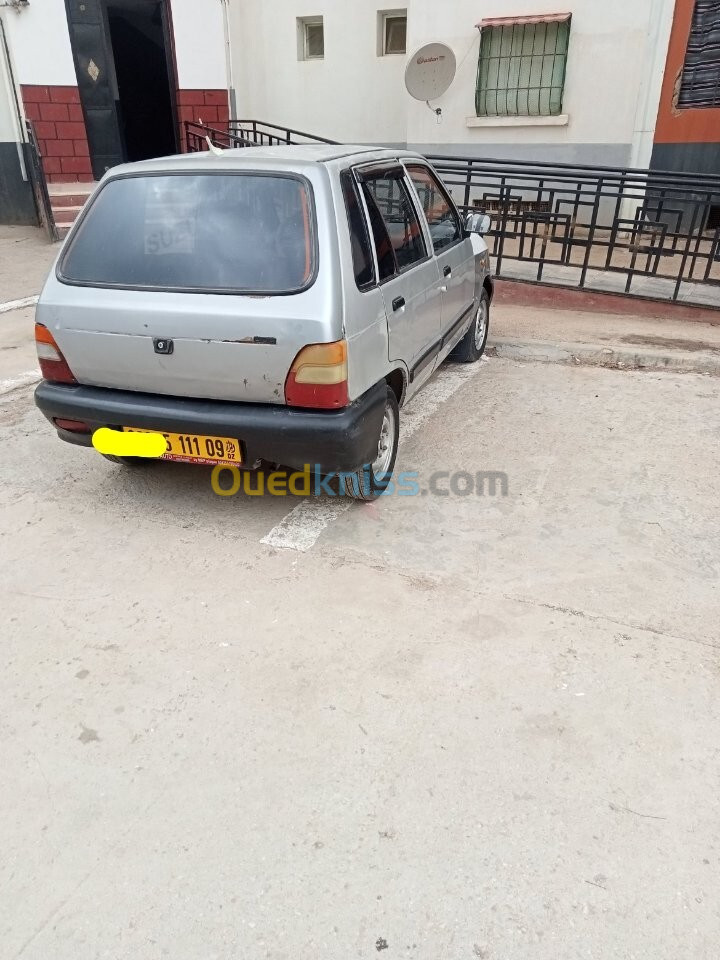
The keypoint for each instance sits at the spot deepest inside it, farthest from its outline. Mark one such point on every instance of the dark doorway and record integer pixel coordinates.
(123, 60)
(144, 98)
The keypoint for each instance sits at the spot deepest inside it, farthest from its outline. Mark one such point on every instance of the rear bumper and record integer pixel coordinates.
(335, 440)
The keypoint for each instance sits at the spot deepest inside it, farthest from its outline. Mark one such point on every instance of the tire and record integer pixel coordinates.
(371, 480)
(129, 461)
(472, 345)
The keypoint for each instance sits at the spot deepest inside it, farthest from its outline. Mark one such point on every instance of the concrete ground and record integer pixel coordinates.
(432, 727)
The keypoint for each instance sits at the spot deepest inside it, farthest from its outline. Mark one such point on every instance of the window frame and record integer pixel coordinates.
(483, 90)
(347, 175)
(445, 193)
(203, 291)
(303, 45)
(376, 171)
(384, 16)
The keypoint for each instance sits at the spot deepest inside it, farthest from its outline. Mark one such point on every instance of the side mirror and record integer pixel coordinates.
(478, 223)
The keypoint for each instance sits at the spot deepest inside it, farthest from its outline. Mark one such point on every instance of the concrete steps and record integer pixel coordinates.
(67, 200)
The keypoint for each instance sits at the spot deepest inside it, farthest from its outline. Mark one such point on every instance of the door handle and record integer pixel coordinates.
(398, 303)
(447, 271)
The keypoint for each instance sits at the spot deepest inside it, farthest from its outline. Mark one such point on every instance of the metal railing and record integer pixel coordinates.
(643, 233)
(246, 133)
(39, 184)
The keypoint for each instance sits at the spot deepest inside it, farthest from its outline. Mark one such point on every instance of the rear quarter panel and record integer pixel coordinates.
(364, 319)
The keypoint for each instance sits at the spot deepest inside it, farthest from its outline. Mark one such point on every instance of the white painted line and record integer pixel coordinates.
(432, 395)
(18, 304)
(22, 380)
(302, 527)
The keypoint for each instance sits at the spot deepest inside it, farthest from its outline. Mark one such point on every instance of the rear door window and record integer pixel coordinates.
(244, 233)
(392, 200)
(387, 265)
(359, 239)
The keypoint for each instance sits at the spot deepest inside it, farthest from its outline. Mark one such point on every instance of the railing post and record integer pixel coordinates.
(468, 186)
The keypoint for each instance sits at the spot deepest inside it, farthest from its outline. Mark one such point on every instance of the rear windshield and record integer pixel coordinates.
(248, 233)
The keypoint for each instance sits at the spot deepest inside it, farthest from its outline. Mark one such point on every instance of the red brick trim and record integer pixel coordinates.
(210, 106)
(521, 293)
(60, 126)
(60, 130)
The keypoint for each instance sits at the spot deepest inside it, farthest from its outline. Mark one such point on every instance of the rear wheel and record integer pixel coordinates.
(472, 345)
(371, 480)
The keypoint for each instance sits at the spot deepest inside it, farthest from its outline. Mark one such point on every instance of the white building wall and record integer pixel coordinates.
(612, 88)
(9, 123)
(614, 73)
(39, 39)
(199, 44)
(608, 61)
(352, 94)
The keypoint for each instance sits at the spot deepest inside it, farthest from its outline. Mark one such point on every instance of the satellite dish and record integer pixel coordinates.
(430, 72)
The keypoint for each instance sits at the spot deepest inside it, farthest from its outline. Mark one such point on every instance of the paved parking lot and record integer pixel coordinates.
(432, 727)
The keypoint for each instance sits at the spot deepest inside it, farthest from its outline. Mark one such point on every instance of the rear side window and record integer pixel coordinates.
(200, 233)
(387, 266)
(359, 239)
(444, 223)
(401, 221)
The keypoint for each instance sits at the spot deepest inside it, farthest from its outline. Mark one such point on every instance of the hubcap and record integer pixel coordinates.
(480, 324)
(381, 463)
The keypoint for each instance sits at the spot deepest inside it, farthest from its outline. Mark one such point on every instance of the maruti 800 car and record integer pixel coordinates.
(275, 304)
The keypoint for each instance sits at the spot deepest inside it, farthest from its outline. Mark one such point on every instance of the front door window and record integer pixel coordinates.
(442, 218)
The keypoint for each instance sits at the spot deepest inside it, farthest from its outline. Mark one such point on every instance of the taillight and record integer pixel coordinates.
(53, 365)
(318, 377)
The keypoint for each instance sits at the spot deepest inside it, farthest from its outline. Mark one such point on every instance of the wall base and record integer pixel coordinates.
(687, 157)
(17, 203)
(592, 154)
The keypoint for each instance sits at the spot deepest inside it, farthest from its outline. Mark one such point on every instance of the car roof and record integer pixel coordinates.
(287, 157)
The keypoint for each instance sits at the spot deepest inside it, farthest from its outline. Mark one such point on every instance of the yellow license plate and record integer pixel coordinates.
(192, 448)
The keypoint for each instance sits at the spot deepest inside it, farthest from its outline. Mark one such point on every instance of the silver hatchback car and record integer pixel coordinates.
(274, 304)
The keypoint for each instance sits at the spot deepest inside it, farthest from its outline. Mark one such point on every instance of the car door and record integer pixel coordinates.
(456, 262)
(407, 271)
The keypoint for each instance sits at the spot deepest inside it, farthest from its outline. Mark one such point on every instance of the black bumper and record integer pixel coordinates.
(335, 440)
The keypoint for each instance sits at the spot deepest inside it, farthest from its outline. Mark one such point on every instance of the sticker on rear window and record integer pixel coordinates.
(177, 237)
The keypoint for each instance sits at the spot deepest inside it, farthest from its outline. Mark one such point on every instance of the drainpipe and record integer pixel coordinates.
(228, 59)
(17, 114)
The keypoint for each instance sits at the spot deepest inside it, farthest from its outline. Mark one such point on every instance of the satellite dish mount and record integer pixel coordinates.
(429, 74)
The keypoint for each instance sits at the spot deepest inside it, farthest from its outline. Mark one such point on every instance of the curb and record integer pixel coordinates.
(614, 358)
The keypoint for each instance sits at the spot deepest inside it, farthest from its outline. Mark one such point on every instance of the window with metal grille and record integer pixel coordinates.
(521, 72)
(700, 86)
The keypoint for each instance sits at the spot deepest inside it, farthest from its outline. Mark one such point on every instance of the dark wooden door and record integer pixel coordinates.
(96, 81)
